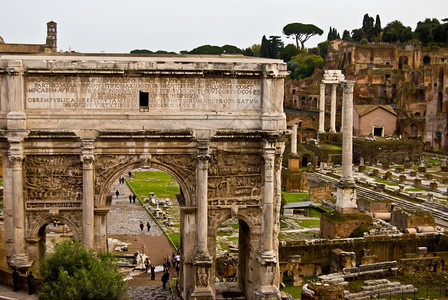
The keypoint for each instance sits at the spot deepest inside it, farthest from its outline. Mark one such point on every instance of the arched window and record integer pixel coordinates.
(402, 61)
(426, 60)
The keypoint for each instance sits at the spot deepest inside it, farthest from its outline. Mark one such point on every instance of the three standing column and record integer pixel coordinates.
(333, 107)
(322, 108)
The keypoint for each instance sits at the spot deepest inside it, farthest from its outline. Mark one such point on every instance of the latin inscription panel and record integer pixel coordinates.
(125, 93)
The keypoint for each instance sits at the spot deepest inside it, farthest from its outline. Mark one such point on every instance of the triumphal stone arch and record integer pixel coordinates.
(72, 124)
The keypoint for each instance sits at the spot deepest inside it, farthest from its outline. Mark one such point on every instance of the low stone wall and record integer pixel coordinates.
(386, 248)
(391, 151)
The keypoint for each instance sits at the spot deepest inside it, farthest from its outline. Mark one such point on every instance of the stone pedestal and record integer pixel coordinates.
(294, 162)
(294, 180)
(202, 290)
(433, 185)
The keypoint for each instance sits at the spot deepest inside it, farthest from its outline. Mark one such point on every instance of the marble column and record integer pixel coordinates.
(202, 261)
(268, 200)
(347, 132)
(267, 258)
(294, 139)
(333, 108)
(346, 187)
(20, 257)
(87, 159)
(202, 203)
(322, 108)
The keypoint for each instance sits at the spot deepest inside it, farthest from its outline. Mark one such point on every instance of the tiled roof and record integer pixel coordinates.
(365, 109)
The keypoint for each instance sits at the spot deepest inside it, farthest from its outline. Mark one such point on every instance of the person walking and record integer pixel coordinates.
(148, 226)
(133, 198)
(153, 272)
(15, 279)
(147, 264)
(141, 226)
(117, 193)
(130, 198)
(30, 281)
(165, 278)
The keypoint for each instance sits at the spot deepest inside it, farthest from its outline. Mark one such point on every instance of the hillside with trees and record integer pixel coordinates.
(302, 61)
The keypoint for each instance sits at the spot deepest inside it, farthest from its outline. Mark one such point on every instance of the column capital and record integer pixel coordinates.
(348, 86)
(87, 156)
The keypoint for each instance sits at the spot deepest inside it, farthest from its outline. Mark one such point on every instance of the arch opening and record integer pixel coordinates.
(233, 249)
(157, 202)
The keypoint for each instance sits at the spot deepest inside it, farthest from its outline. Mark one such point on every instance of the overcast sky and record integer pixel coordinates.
(119, 26)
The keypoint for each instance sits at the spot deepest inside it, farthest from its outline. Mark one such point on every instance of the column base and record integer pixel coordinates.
(202, 294)
(267, 293)
(20, 261)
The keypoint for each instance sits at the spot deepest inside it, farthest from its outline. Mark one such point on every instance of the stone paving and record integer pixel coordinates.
(151, 292)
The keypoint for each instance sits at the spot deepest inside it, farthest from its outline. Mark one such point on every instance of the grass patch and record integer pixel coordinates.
(313, 213)
(295, 291)
(157, 182)
(296, 197)
(414, 189)
(309, 223)
(175, 237)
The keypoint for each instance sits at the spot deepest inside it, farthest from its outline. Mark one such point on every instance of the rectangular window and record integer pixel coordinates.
(144, 101)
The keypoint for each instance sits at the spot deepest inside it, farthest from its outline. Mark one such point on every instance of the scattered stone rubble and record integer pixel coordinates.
(377, 269)
(381, 287)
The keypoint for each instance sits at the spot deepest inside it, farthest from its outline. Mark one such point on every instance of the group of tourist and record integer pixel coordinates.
(29, 281)
(143, 226)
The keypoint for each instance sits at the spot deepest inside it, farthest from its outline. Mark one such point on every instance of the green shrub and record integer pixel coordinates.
(73, 272)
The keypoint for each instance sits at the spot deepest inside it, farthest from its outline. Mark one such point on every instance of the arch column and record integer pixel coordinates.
(202, 261)
(87, 159)
(267, 257)
(322, 108)
(19, 258)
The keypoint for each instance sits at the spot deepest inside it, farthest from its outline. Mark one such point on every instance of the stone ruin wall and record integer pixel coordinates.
(317, 253)
(383, 77)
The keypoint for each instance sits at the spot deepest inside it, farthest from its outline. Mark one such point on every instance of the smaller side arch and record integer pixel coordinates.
(34, 230)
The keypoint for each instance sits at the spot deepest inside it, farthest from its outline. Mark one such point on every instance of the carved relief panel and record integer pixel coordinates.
(52, 181)
(235, 179)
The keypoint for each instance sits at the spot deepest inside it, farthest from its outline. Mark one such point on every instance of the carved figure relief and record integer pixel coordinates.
(52, 178)
(202, 277)
(235, 179)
